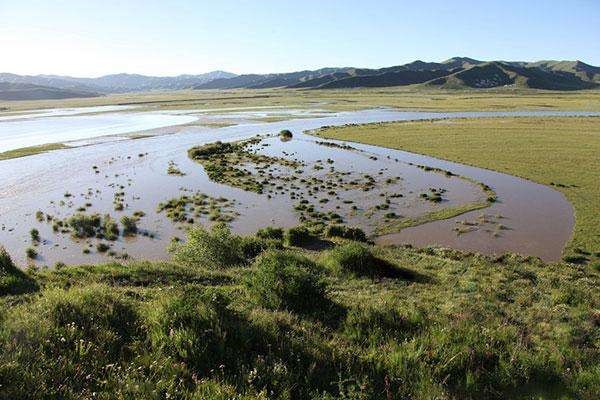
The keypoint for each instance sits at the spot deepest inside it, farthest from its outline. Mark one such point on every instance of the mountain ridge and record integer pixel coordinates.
(117, 83)
(453, 73)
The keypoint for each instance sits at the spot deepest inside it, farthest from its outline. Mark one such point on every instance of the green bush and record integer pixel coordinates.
(31, 253)
(252, 246)
(35, 235)
(12, 279)
(286, 281)
(111, 228)
(346, 232)
(215, 248)
(354, 257)
(102, 247)
(270, 233)
(286, 134)
(85, 226)
(129, 225)
(298, 236)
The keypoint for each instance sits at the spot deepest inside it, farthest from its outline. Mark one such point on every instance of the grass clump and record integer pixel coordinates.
(346, 232)
(129, 225)
(354, 258)
(286, 134)
(214, 248)
(85, 226)
(298, 236)
(270, 233)
(31, 253)
(111, 228)
(35, 235)
(12, 280)
(282, 280)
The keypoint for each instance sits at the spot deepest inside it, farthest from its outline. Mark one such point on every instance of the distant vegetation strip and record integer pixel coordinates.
(29, 151)
(422, 98)
(559, 151)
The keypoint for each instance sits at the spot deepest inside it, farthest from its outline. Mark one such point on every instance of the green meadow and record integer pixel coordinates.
(258, 318)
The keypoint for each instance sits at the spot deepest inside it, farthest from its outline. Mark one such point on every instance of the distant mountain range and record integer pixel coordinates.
(118, 83)
(455, 73)
(26, 91)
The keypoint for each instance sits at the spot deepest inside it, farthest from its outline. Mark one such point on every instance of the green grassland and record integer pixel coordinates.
(562, 152)
(29, 151)
(254, 318)
(412, 97)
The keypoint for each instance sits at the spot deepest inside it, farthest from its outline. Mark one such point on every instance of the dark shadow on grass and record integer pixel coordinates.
(13, 280)
(317, 244)
(385, 269)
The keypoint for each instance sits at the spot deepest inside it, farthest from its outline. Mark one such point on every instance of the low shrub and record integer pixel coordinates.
(210, 149)
(286, 281)
(102, 247)
(270, 233)
(346, 232)
(111, 228)
(84, 226)
(252, 246)
(31, 253)
(129, 225)
(354, 257)
(214, 248)
(35, 235)
(298, 236)
(286, 134)
(12, 279)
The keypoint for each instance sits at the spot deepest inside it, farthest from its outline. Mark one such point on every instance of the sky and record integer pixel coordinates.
(96, 37)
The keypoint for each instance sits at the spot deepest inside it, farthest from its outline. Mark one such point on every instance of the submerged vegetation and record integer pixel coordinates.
(557, 151)
(189, 208)
(228, 162)
(245, 317)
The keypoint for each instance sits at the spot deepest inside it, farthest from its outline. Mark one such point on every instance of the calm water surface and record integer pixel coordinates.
(536, 219)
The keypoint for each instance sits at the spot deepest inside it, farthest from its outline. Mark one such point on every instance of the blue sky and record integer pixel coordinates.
(92, 38)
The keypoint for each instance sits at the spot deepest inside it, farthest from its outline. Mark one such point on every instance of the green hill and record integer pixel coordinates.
(496, 74)
(25, 91)
(457, 72)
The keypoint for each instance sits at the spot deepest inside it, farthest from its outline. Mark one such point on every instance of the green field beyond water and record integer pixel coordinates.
(560, 152)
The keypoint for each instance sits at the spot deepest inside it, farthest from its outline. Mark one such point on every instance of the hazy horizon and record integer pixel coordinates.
(183, 37)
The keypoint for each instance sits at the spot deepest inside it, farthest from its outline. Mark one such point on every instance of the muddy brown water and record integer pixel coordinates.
(536, 219)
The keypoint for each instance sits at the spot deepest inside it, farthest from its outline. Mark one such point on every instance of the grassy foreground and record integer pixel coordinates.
(254, 318)
(562, 152)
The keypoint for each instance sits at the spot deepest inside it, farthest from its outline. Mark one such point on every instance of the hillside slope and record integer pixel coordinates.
(454, 73)
(117, 83)
(24, 91)
(495, 74)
